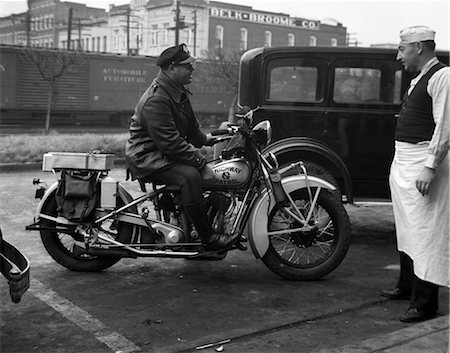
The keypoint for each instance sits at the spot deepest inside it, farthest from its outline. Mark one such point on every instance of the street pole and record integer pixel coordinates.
(128, 31)
(195, 30)
(177, 22)
(28, 24)
(69, 29)
(79, 34)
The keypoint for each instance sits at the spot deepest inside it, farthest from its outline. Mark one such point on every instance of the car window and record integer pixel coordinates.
(293, 80)
(367, 82)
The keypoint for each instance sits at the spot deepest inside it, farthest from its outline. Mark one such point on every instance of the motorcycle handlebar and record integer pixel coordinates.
(221, 132)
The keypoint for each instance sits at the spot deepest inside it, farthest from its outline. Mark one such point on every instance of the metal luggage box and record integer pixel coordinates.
(70, 160)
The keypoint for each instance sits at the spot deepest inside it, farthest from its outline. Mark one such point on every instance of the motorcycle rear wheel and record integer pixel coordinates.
(68, 250)
(306, 256)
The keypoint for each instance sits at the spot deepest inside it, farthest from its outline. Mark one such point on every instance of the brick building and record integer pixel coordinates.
(146, 27)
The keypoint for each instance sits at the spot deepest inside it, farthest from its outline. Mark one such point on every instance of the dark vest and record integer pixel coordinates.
(415, 122)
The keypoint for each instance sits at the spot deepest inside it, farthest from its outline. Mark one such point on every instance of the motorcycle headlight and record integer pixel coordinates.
(263, 133)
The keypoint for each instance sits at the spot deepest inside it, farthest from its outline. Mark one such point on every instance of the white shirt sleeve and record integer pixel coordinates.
(439, 90)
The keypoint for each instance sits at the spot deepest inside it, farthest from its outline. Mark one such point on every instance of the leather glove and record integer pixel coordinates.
(210, 140)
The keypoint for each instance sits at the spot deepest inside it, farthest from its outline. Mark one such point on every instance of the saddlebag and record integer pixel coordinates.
(76, 195)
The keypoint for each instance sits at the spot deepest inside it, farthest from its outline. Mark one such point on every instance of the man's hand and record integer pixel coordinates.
(210, 140)
(424, 179)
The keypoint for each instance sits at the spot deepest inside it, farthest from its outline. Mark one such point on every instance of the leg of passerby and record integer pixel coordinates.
(424, 301)
(404, 285)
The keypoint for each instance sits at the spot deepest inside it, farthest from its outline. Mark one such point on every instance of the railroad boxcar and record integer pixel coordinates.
(95, 90)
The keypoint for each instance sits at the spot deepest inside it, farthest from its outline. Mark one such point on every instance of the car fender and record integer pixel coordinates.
(305, 144)
(259, 215)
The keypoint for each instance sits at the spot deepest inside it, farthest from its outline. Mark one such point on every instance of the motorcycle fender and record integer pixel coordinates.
(49, 193)
(123, 193)
(259, 216)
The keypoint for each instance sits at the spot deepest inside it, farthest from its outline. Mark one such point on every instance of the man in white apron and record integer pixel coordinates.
(419, 177)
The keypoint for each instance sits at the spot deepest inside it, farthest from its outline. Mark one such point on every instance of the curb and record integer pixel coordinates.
(29, 167)
(398, 338)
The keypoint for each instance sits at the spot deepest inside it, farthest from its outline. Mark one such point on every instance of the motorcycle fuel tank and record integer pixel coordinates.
(230, 174)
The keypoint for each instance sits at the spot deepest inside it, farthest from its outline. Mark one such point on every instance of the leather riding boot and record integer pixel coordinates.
(211, 240)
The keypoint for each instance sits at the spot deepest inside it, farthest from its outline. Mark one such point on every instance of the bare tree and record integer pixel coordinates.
(225, 67)
(51, 65)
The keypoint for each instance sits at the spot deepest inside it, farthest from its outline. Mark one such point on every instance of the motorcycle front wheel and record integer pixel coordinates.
(69, 249)
(317, 249)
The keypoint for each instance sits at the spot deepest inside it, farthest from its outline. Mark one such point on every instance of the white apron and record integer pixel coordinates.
(421, 222)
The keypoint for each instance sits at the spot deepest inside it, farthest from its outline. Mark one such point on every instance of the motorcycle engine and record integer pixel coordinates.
(222, 210)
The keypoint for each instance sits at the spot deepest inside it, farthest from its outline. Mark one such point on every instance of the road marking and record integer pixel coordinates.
(116, 342)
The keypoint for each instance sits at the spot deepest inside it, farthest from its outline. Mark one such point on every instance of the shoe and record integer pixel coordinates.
(218, 242)
(415, 315)
(396, 294)
(210, 240)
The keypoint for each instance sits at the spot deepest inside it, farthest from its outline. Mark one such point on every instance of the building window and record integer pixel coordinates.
(291, 39)
(154, 35)
(267, 39)
(165, 33)
(243, 39)
(219, 37)
(189, 35)
(312, 41)
(93, 44)
(87, 44)
(115, 39)
(333, 42)
(140, 34)
(123, 39)
(104, 43)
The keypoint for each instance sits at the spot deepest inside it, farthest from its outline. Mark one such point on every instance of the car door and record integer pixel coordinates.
(361, 118)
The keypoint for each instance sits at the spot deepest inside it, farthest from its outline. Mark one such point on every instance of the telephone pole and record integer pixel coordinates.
(69, 28)
(28, 27)
(195, 30)
(79, 34)
(177, 22)
(128, 30)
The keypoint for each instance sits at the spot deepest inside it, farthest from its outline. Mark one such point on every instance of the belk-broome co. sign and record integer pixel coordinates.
(270, 19)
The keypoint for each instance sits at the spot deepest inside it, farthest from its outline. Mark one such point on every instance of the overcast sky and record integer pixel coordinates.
(368, 21)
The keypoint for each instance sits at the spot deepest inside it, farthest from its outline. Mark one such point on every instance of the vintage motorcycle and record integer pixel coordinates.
(294, 224)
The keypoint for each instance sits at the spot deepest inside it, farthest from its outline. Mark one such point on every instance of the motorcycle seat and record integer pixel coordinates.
(147, 180)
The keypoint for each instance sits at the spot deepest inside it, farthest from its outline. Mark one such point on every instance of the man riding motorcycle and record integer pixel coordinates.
(165, 137)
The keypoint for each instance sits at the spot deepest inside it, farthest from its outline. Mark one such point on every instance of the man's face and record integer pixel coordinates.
(182, 73)
(408, 54)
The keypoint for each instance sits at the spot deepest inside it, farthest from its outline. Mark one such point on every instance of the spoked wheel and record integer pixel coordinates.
(313, 250)
(68, 249)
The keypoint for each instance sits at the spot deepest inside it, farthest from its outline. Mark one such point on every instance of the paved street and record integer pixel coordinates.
(162, 305)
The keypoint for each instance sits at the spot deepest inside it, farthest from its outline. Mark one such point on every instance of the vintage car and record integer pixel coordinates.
(15, 267)
(334, 108)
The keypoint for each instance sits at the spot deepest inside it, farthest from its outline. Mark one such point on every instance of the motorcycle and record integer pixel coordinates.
(294, 224)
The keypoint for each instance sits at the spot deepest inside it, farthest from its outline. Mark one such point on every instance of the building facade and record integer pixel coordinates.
(146, 27)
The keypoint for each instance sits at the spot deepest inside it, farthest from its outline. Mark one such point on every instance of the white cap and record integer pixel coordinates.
(416, 34)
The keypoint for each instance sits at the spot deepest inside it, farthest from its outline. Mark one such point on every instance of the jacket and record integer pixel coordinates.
(163, 130)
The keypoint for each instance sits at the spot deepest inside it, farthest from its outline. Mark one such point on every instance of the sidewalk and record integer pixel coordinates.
(430, 336)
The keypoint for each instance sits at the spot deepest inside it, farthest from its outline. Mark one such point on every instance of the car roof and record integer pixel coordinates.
(328, 50)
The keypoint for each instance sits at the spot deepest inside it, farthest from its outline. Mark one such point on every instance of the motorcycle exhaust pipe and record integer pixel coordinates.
(108, 252)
